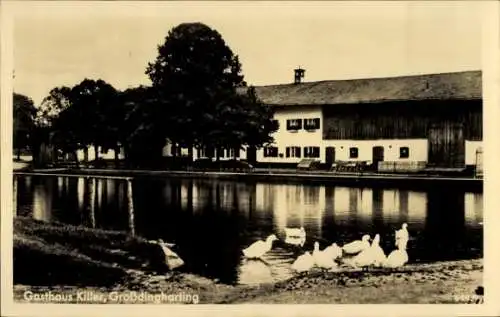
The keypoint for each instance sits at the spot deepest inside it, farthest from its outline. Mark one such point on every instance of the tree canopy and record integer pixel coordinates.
(24, 121)
(196, 76)
(198, 98)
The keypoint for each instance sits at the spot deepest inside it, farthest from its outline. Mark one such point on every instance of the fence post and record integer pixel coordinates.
(92, 201)
(15, 196)
(130, 207)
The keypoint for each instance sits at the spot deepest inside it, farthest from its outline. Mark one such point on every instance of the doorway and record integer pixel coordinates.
(329, 155)
(378, 155)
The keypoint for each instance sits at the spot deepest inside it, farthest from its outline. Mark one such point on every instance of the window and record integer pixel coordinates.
(293, 151)
(230, 153)
(271, 151)
(353, 152)
(294, 124)
(311, 124)
(311, 151)
(404, 152)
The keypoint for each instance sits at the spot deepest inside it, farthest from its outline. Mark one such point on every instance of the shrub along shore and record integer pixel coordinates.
(66, 260)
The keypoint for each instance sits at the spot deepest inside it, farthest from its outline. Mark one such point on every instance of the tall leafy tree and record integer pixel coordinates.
(95, 113)
(24, 122)
(194, 67)
(143, 127)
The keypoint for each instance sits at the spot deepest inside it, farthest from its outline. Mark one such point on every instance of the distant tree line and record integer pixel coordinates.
(198, 99)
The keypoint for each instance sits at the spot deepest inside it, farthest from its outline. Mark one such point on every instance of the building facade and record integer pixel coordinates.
(427, 120)
(432, 120)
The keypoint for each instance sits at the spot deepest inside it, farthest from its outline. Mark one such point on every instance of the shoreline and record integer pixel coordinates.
(408, 181)
(103, 262)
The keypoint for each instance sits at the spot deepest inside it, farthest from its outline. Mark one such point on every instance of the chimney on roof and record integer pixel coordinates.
(299, 74)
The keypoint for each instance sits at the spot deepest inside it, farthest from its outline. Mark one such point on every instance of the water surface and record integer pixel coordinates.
(212, 221)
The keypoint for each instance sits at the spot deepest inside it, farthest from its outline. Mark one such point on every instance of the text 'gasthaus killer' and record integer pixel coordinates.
(91, 297)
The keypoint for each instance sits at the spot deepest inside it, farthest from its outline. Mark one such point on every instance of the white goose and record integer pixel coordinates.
(334, 250)
(377, 253)
(303, 263)
(323, 259)
(402, 236)
(357, 246)
(295, 232)
(374, 255)
(259, 248)
(172, 260)
(397, 258)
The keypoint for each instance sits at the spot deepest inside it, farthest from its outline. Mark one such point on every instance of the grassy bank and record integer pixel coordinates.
(68, 260)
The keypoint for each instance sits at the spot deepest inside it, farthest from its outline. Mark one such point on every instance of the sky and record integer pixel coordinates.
(59, 44)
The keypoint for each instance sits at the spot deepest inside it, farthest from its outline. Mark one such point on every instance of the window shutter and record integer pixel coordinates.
(287, 152)
(297, 149)
(316, 123)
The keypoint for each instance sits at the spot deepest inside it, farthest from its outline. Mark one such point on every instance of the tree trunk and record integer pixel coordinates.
(190, 153)
(173, 149)
(117, 155)
(75, 154)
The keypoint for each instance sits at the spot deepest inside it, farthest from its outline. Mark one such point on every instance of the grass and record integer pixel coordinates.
(68, 259)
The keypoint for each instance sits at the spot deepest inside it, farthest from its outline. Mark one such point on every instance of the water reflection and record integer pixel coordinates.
(212, 221)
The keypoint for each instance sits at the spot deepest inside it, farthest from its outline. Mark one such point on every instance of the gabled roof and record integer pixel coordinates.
(445, 86)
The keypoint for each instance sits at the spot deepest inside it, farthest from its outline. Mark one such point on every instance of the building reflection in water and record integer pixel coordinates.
(473, 205)
(42, 200)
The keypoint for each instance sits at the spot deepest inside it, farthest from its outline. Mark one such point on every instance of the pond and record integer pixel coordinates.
(211, 221)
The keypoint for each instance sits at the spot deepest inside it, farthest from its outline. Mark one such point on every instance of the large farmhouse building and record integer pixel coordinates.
(432, 120)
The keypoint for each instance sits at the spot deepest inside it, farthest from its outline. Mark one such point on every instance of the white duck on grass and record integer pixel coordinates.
(357, 246)
(372, 256)
(172, 260)
(402, 236)
(323, 259)
(334, 250)
(397, 258)
(259, 248)
(377, 253)
(303, 263)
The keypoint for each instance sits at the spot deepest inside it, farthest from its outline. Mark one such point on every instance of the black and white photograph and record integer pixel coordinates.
(184, 153)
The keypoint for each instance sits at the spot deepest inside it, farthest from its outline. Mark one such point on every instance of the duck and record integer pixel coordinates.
(402, 236)
(334, 250)
(259, 248)
(397, 258)
(377, 253)
(172, 259)
(323, 259)
(357, 246)
(303, 263)
(295, 241)
(295, 232)
(372, 256)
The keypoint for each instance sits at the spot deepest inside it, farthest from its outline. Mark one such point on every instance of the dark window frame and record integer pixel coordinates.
(296, 150)
(295, 127)
(271, 151)
(312, 151)
(353, 152)
(314, 126)
(404, 152)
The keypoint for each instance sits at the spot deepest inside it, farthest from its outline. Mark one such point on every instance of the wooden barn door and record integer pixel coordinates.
(377, 155)
(446, 145)
(329, 155)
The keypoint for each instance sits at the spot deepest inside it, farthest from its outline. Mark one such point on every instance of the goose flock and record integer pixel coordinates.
(360, 254)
